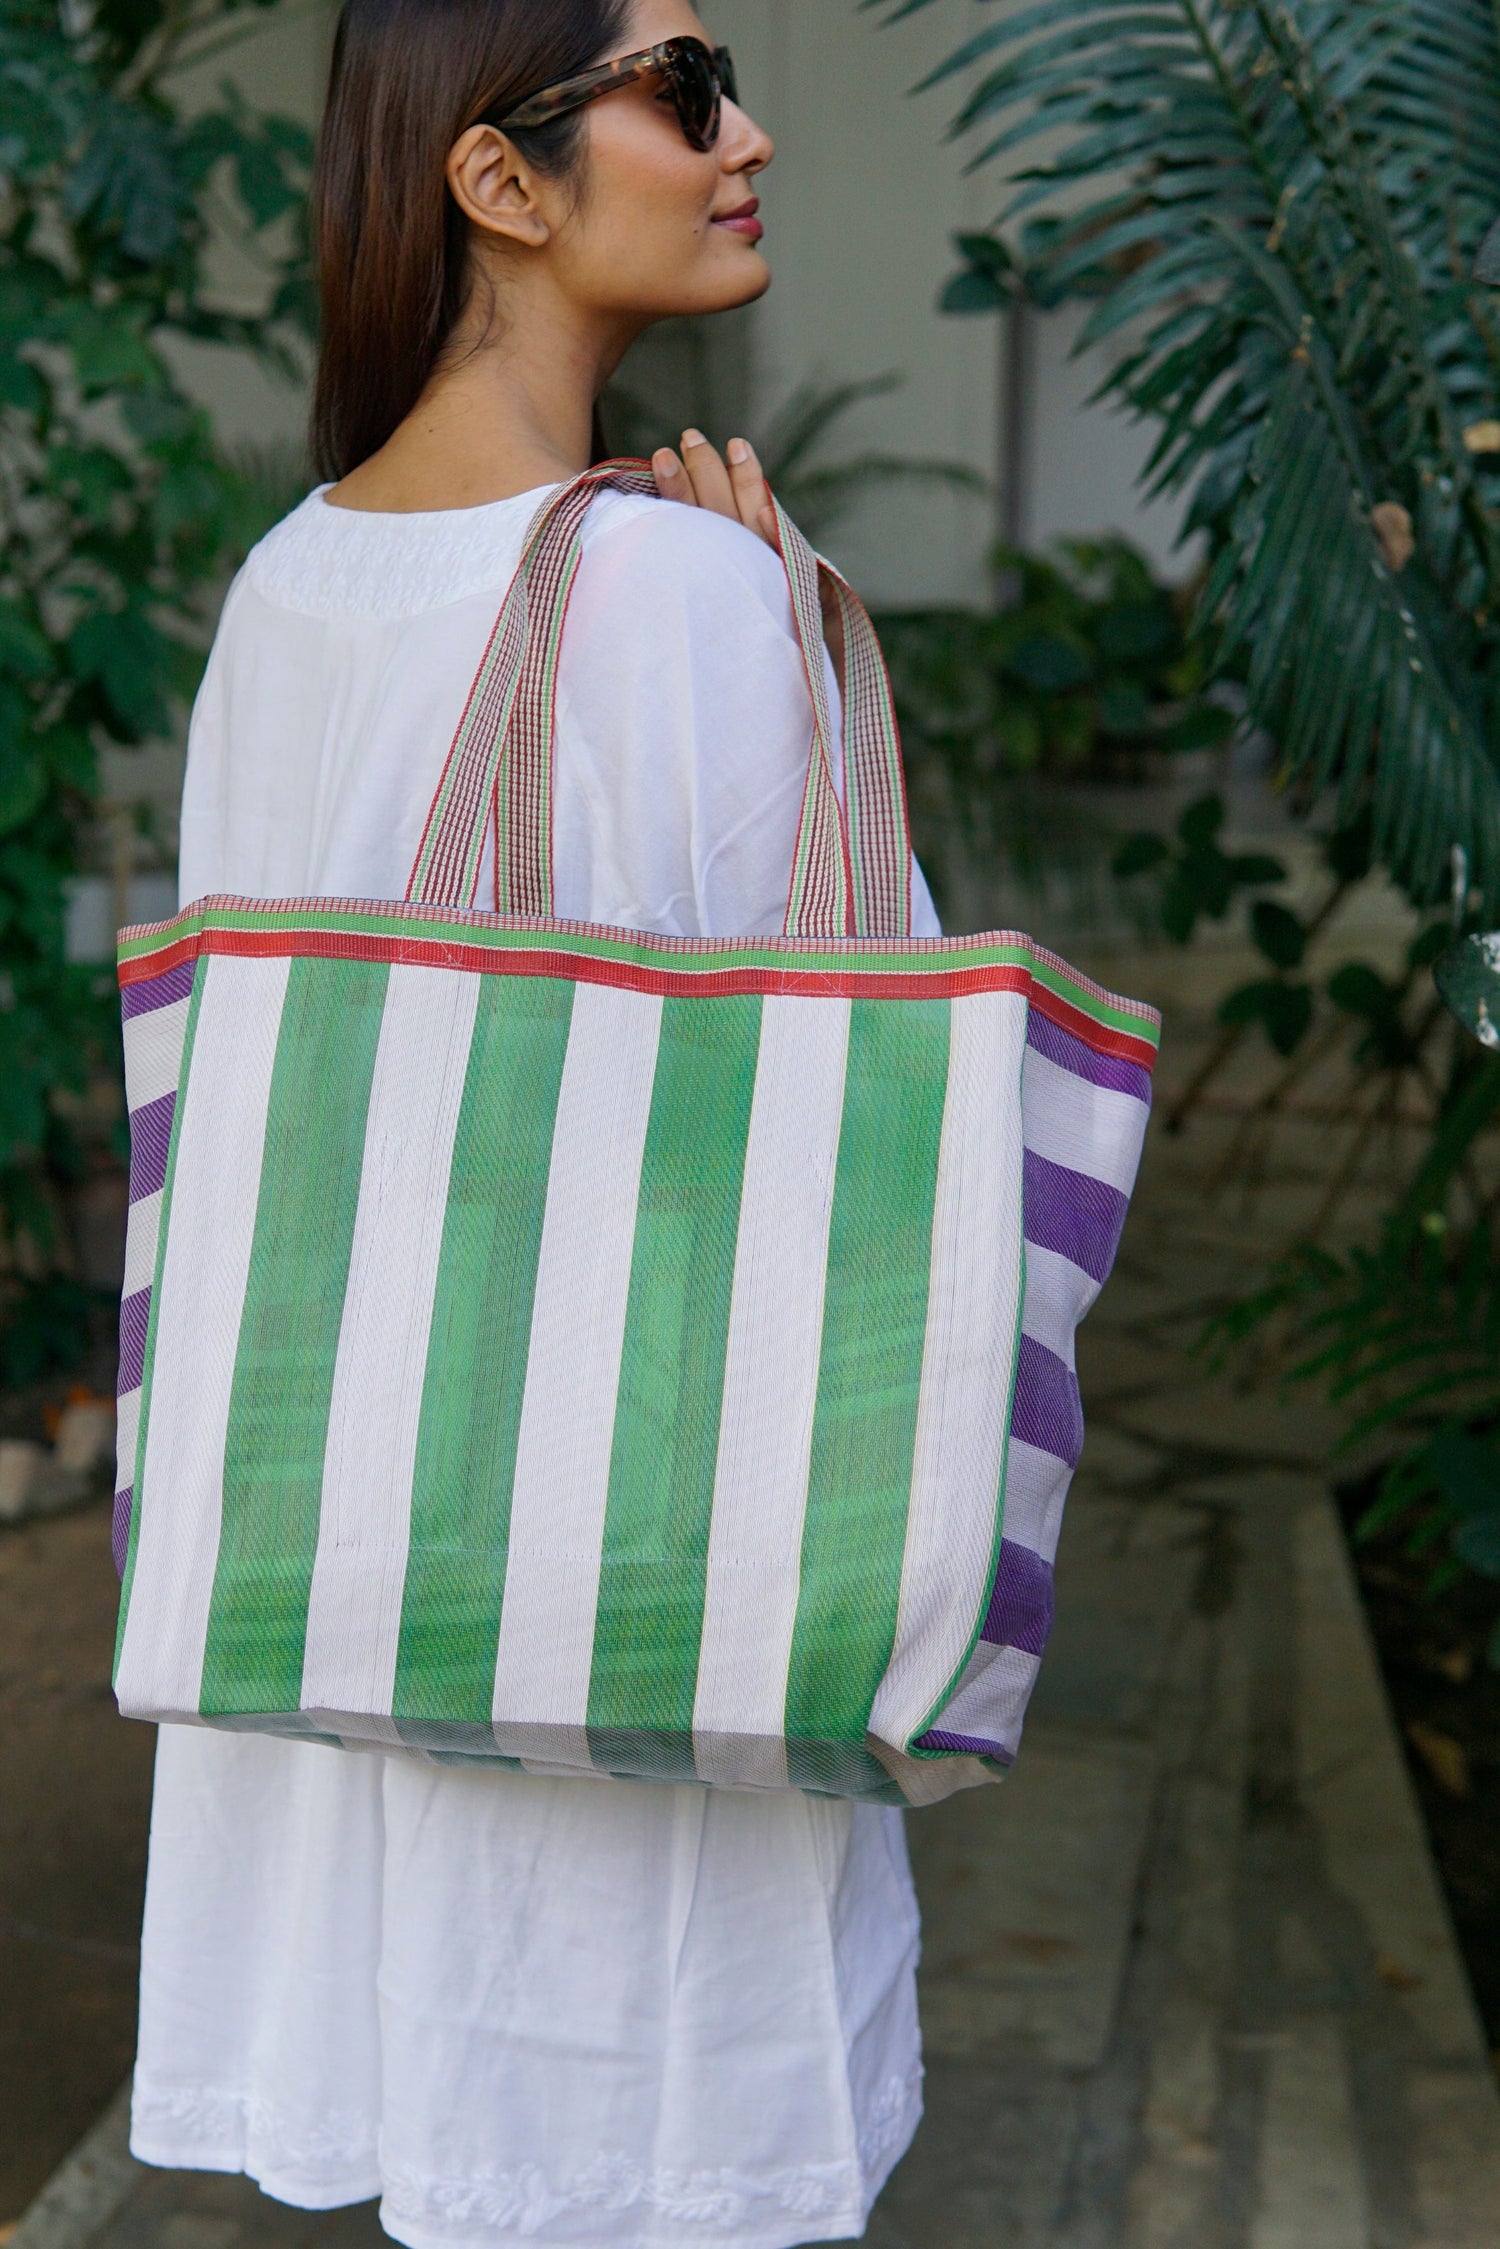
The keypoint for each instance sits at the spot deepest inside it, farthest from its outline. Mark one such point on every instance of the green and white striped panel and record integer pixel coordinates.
(582, 1374)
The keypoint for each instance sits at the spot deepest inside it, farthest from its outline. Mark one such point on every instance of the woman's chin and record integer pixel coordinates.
(745, 277)
(721, 284)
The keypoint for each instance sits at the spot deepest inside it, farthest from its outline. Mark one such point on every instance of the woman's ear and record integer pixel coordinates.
(495, 187)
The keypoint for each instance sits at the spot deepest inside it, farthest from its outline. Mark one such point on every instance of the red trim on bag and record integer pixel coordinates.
(634, 976)
(151, 965)
(1102, 1037)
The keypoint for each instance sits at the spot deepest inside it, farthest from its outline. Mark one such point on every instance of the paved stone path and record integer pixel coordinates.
(1189, 1979)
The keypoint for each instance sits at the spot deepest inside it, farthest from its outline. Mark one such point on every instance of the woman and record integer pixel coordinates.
(518, 2008)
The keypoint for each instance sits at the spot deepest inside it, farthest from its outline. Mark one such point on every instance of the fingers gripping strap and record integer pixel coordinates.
(846, 877)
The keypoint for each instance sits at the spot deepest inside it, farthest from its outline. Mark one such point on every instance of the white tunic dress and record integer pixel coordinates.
(557, 2011)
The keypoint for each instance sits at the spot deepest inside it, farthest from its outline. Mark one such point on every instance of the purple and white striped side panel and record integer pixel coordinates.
(1084, 1118)
(155, 1027)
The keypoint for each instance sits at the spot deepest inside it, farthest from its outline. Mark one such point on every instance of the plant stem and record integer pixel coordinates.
(1208, 1069)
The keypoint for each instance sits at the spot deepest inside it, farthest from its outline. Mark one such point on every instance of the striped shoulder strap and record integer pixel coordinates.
(875, 845)
(851, 875)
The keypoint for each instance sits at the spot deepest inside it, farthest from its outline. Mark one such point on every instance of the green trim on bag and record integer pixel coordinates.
(397, 924)
(427, 925)
(1115, 1014)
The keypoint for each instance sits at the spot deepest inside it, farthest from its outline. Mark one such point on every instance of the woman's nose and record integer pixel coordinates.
(744, 146)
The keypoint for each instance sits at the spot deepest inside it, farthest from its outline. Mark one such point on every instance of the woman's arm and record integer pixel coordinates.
(699, 478)
(685, 727)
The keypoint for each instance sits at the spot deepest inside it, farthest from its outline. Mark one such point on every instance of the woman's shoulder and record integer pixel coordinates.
(654, 549)
(640, 553)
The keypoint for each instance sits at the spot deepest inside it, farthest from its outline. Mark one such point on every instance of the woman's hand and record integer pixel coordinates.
(700, 479)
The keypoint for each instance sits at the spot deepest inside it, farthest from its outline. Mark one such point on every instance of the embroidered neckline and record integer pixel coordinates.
(344, 562)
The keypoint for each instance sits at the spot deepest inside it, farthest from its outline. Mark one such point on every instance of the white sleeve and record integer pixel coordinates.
(684, 729)
(201, 842)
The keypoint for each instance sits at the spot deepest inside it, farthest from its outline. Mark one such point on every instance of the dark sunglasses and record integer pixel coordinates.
(698, 77)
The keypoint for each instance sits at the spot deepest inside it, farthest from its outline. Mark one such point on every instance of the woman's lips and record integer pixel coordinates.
(744, 220)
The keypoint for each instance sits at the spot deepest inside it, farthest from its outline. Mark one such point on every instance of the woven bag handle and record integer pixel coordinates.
(876, 832)
(850, 876)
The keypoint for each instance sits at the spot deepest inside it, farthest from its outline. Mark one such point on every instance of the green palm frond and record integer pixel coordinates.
(1279, 203)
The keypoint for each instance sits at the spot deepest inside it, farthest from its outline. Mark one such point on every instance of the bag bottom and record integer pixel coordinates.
(870, 1772)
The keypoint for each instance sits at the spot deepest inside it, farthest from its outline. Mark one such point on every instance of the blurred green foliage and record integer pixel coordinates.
(1085, 670)
(1273, 210)
(120, 517)
(1404, 1333)
(1087, 666)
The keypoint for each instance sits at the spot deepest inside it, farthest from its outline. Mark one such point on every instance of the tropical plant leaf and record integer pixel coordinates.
(1281, 202)
(1469, 979)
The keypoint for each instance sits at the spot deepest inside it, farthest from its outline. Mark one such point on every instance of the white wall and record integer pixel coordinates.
(1084, 460)
(860, 203)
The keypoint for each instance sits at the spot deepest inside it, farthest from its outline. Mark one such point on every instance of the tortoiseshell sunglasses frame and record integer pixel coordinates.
(573, 93)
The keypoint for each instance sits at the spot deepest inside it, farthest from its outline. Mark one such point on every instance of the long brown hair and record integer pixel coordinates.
(408, 77)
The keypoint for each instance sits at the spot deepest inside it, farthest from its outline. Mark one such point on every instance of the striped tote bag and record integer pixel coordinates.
(595, 1353)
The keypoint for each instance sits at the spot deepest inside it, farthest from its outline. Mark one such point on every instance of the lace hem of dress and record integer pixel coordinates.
(719, 2204)
(243, 2131)
(227, 2131)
